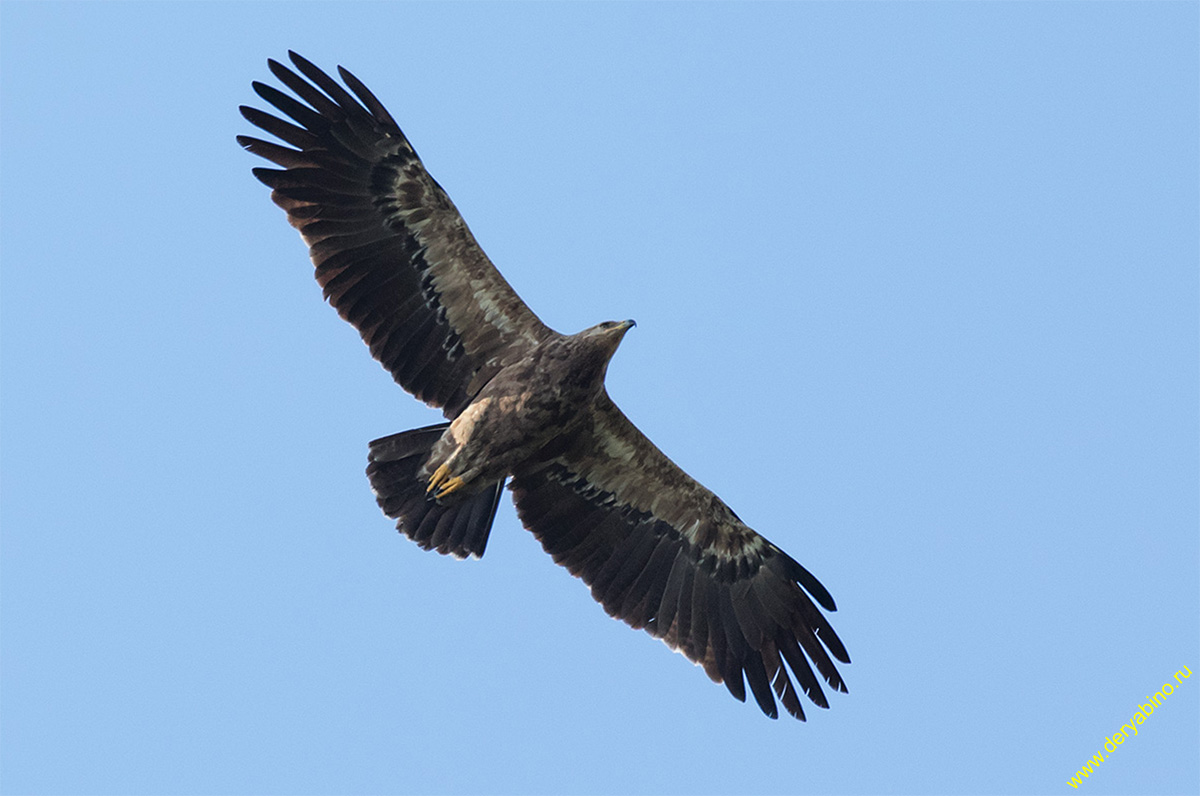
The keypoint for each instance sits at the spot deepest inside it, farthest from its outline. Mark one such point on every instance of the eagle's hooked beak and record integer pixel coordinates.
(627, 325)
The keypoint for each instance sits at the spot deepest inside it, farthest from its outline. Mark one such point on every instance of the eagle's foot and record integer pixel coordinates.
(452, 485)
(440, 475)
(441, 484)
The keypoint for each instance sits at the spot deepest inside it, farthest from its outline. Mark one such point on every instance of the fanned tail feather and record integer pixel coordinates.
(459, 529)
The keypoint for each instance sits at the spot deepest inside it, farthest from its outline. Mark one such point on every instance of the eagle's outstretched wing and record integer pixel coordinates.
(662, 552)
(392, 253)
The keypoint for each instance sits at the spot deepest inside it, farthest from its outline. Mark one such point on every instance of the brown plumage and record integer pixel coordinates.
(659, 550)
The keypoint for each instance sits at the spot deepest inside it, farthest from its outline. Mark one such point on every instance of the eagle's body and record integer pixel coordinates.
(525, 403)
(524, 416)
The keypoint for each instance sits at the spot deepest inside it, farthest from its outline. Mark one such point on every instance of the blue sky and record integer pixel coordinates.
(916, 290)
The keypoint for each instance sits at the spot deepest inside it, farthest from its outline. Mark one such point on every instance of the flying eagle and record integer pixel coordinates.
(526, 403)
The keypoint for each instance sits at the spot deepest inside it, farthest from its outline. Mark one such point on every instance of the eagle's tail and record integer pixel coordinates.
(459, 529)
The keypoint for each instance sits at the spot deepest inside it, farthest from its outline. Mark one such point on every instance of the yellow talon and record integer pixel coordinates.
(441, 484)
(438, 477)
(452, 485)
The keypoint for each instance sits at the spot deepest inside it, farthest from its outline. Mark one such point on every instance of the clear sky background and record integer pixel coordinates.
(916, 290)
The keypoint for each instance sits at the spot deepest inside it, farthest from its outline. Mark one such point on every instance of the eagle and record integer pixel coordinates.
(523, 404)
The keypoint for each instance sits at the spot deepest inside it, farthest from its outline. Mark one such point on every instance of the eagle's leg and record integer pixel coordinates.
(443, 483)
(440, 475)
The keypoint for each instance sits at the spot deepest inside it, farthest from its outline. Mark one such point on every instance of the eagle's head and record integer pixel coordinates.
(609, 334)
(593, 347)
